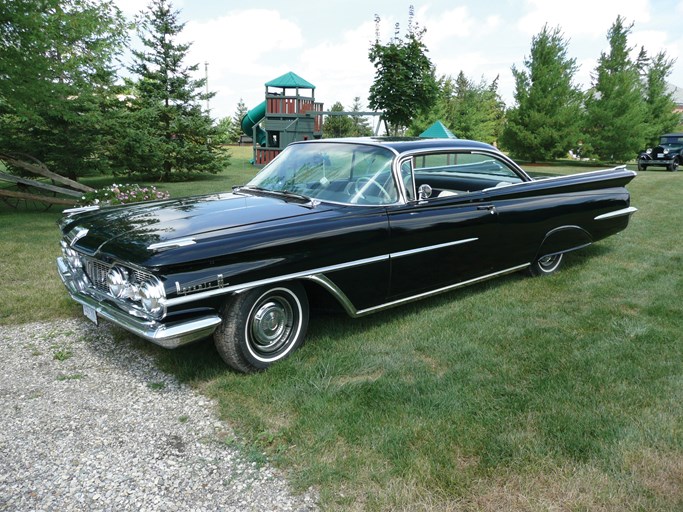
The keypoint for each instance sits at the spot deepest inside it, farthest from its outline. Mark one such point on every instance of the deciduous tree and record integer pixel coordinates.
(404, 84)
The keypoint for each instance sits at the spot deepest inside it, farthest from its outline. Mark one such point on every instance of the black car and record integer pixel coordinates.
(666, 154)
(369, 223)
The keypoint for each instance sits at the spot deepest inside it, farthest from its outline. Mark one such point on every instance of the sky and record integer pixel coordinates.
(246, 44)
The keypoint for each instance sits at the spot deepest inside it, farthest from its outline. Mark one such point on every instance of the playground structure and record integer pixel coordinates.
(288, 114)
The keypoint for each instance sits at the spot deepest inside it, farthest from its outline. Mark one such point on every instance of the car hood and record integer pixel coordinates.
(127, 232)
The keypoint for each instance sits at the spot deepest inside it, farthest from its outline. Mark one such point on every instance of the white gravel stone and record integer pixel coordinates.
(82, 429)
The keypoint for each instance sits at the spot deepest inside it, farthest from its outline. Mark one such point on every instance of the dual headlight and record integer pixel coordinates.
(71, 256)
(149, 293)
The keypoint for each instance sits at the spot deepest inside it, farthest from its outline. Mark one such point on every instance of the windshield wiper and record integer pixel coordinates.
(309, 202)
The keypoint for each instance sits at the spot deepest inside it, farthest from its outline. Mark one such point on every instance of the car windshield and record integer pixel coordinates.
(671, 140)
(337, 172)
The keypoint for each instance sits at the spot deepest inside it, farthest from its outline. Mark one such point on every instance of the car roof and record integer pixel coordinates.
(406, 144)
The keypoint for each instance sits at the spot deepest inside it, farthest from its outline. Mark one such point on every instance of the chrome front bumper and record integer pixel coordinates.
(166, 334)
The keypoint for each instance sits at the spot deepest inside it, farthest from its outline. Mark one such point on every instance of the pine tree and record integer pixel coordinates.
(545, 121)
(173, 137)
(659, 103)
(57, 92)
(470, 110)
(236, 132)
(361, 127)
(615, 106)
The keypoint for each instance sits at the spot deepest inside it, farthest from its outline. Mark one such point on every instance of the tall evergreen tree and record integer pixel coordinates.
(57, 92)
(475, 110)
(615, 105)
(545, 121)
(659, 103)
(404, 84)
(173, 136)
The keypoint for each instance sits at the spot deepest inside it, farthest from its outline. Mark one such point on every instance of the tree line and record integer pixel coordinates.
(63, 101)
(626, 108)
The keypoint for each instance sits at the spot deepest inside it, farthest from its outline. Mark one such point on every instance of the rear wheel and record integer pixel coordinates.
(262, 326)
(546, 265)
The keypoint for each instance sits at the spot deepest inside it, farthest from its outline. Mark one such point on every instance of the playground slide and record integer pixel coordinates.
(251, 119)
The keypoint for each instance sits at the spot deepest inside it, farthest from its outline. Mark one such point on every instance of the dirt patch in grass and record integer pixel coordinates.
(662, 474)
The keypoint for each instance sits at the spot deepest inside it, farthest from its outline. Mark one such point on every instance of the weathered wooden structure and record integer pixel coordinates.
(39, 193)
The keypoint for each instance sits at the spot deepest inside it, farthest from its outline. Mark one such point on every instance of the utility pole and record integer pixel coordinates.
(206, 83)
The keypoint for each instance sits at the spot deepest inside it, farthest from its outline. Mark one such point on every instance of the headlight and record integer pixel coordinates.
(666, 151)
(72, 257)
(117, 281)
(649, 151)
(151, 295)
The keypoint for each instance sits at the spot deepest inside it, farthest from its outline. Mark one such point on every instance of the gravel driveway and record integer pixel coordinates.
(87, 423)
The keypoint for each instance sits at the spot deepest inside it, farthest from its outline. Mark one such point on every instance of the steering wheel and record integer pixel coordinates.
(362, 184)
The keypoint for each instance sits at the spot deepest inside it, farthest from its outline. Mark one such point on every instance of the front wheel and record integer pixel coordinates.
(262, 326)
(673, 166)
(546, 265)
(641, 166)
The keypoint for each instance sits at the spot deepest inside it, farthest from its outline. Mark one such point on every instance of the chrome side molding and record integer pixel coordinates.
(617, 213)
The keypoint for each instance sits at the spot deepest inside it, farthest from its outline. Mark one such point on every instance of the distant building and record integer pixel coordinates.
(677, 95)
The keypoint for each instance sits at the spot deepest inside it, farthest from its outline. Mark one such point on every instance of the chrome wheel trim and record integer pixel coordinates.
(549, 264)
(273, 325)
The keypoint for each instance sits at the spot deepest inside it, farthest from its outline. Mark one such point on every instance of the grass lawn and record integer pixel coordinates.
(557, 393)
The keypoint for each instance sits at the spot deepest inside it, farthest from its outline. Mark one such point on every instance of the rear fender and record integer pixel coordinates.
(564, 239)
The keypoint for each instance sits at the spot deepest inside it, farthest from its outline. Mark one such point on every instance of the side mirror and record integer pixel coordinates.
(424, 192)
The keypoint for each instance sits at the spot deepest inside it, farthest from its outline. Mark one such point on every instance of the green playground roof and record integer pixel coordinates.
(290, 81)
(438, 131)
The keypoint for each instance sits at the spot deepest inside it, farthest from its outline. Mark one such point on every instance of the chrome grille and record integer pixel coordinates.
(97, 273)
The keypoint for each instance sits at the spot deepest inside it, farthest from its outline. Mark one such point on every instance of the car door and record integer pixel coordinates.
(441, 241)
(450, 233)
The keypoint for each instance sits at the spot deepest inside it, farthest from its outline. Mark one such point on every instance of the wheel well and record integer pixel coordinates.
(564, 239)
(320, 298)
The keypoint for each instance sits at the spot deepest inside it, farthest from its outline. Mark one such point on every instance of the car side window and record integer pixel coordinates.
(458, 173)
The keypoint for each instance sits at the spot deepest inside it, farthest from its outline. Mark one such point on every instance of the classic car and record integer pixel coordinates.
(669, 153)
(368, 223)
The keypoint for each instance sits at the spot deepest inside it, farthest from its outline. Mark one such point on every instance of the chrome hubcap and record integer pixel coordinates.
(271, 324)
(549, 262)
